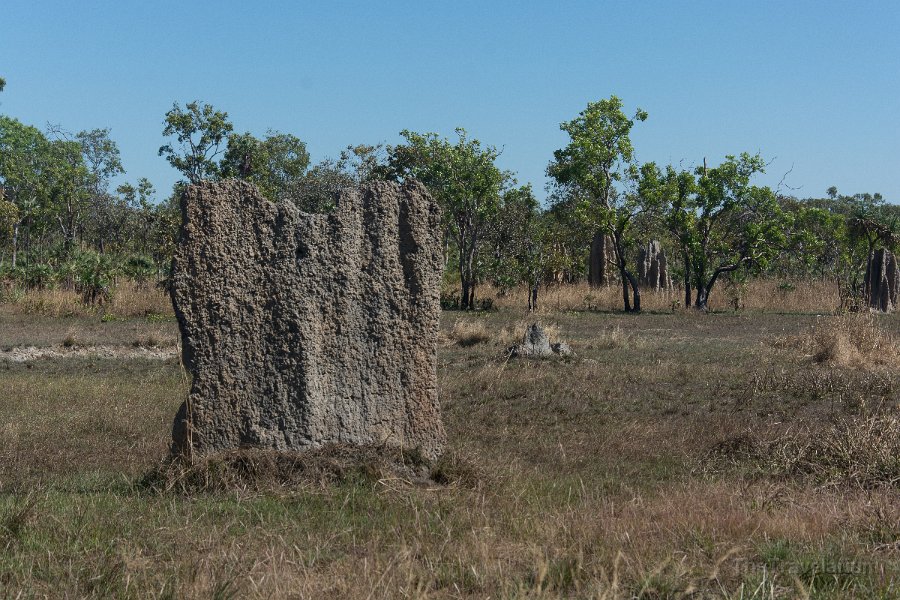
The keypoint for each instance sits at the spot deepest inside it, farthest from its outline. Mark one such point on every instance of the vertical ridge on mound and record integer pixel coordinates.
(302, 330)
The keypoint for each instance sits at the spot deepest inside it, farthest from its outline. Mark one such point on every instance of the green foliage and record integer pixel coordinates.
(467, 183)
(60, 224)
(720, 221)
(24, 160)
(599, 154)
(510, 238)
(95, 277)
(200, 130)
(35, 276)
(139, 268)
(9, 216)
(273, 164)
(101, 156)
(596, 174)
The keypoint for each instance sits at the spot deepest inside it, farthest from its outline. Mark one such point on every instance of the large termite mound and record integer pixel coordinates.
(302, 330)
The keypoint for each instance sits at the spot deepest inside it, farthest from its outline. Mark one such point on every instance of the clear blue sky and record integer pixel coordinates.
(813, 85)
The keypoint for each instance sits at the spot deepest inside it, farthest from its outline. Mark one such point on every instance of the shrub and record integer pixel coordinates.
(95, 275)
(139, 268)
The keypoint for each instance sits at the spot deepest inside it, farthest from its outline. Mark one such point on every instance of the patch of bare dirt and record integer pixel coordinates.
(32, 353)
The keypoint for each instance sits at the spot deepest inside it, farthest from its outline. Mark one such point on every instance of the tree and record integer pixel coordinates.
(9, 216)
(465, 181)
(721, 221)
(512, 241)
(670, 198)
(595, 168)
(103, 161)
(365, 163)
(200, 131)
(70, 184)
(24, 158)
(318, 189)
(274, 164)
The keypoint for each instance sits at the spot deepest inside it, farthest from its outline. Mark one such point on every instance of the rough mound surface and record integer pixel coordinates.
(536, 344)
(882, 281)
(304, 330)
(653, 269)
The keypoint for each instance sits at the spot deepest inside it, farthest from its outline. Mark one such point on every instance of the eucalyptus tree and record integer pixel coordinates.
(24, 158)
(721, 221)
(597, 168)
(103, 162)
(200, 131)
(670, 198)
(465, 180)
(274, 163)
(512, 249)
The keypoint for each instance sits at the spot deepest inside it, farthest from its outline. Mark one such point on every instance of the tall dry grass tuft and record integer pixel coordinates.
(468, 332)
(854, 340)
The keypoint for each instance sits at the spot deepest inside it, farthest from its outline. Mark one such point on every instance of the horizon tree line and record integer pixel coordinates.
(61, 223)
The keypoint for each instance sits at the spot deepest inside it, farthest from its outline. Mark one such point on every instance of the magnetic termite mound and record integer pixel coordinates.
(302, 330)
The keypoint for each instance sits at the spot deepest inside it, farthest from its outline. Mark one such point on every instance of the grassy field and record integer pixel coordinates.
(735, 455)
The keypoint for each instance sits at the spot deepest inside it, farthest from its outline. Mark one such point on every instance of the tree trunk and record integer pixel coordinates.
(705, 289)
(532, 298)
(597, 262)
(687, 279)
(626, 301)
(467, 277)
(15, 241)
(464, 297)
(635, 290)
(702, 298)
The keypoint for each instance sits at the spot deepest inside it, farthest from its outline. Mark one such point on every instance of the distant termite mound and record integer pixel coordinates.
(303, 330)
(653, 268)
(882, 280)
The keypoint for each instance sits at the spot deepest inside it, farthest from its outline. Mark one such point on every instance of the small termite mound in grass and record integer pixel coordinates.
(259, 470)
(536, 344)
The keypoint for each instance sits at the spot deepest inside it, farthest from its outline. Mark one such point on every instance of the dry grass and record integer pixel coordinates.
(468, 332)
(514, 333)
(854, 340)
(861, 451)
(567, 479)
(249, 470)
(472, 330)
(759, 294)
(129, 299)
